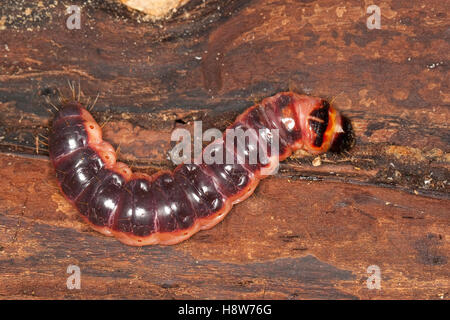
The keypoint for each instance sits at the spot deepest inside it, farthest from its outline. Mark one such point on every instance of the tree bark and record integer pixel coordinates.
(309, 232)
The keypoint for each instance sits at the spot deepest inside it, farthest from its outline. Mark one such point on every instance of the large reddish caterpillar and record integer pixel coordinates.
(169, 207)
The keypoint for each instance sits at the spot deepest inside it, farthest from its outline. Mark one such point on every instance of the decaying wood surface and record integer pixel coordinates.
(309, 232)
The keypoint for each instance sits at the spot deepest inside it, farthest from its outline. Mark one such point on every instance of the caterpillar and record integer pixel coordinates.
(170, 206)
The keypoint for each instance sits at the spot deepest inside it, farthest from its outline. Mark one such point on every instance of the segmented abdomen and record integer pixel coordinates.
(169, 207)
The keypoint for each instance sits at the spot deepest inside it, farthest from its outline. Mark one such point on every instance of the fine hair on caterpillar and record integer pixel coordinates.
(170, 206)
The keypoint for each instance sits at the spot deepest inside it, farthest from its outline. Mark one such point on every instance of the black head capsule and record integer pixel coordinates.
(345, 140)
(318, 122)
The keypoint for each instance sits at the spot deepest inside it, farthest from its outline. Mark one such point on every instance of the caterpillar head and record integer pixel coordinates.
(323, 128)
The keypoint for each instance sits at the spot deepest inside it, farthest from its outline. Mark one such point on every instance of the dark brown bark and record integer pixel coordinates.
(309, 232)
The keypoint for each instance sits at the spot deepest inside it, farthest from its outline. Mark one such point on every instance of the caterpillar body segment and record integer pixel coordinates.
(169, 207)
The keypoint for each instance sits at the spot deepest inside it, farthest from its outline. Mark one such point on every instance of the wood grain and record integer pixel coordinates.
(309, 232)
